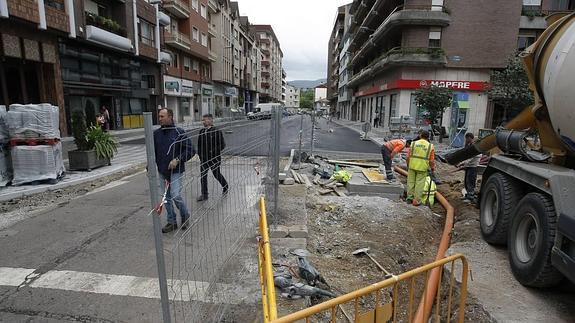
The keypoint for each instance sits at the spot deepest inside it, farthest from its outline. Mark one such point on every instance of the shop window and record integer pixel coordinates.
(227, 101)
(393, 105)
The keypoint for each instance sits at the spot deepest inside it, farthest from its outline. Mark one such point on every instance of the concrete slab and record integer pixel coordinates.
(298, 231)
(279, 231)
(360, 185)
(288, 243)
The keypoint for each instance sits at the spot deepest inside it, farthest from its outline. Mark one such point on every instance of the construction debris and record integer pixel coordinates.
(350, 163)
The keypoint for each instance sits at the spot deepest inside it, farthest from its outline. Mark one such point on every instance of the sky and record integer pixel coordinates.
(303, 28)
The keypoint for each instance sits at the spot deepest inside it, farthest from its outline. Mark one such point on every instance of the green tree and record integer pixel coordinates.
(510, 88)
(434, 100)
(306, 99)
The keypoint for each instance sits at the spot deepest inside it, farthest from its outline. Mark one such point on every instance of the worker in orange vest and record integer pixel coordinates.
(388, 150)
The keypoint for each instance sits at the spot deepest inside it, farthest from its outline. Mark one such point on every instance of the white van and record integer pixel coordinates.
(263, 111)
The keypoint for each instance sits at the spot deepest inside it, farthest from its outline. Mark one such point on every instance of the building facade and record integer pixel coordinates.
(396, 47)
(271, 65)
(292, 96)
(335, 47)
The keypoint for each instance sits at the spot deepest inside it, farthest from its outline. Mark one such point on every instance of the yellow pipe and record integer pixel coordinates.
(267, 261)
(373, 288)
(266, 313)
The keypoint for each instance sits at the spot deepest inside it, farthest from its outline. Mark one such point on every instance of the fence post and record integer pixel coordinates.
(276, 156)
(312, 131)
(300, 135)
(155, 199)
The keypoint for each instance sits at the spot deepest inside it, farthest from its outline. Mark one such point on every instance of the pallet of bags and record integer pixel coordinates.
(33, 121)
(5, 164)
(4, 133)
(37, 163)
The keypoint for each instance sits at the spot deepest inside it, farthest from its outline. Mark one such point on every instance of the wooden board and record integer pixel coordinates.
(340, 191)
(343, 162)
(295, 177)
(374, 176)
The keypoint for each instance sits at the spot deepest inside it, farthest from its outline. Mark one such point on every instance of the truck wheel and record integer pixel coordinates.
(531, 238)
(499, 196)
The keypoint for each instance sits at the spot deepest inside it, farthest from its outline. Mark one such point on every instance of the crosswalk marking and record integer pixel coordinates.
(120, 285)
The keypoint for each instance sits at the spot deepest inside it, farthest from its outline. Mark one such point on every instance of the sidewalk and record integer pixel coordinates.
(128, 156)
(376, 135)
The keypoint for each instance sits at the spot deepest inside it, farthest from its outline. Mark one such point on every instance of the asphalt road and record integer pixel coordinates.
(245, 138)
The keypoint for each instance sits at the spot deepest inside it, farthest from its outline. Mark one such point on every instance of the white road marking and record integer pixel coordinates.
(120, 285)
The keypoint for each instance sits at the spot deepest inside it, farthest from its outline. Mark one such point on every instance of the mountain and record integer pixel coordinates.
(306, 84)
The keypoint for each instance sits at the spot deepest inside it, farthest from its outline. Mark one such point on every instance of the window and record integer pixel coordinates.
(393, 105)
(146, 33)
(204, 40)
(187, 63)
(236, 53)
(434, 37)
(95, 8)
(195, 4)
(204, 12)
(174, 62)
(196, 66)
(195, 34)
(525, 40)
(436, 5)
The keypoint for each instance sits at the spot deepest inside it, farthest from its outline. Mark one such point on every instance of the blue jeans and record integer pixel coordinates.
(175, 194)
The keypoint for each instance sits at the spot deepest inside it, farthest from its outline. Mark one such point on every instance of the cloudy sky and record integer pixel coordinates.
(303, 28)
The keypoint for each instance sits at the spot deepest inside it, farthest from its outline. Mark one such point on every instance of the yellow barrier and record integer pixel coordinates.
(265, 267)
(393, 310)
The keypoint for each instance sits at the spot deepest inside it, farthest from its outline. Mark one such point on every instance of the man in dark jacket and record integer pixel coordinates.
(210, 145)
(173, 148)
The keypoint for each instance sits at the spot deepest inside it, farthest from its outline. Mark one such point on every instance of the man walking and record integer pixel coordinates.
(420, 158)
(470, 167)
(173, 149)
(388, 150)
(210, 145)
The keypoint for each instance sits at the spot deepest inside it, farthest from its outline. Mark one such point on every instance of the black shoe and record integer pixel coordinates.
(226, 189)
(183, 227)
(202, 198)
(169, 228)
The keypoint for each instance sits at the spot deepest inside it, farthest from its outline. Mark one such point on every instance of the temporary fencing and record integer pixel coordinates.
(239, 162)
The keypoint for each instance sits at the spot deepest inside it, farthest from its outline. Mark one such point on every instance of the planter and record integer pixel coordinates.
(85, 160)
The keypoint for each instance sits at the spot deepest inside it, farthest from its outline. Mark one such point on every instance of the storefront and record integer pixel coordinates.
(225, 99)
(394, 104)
(179, 96)
(207, 99)
(94, 78)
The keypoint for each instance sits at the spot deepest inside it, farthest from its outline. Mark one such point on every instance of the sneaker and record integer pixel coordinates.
(169, 227)
(202, 198)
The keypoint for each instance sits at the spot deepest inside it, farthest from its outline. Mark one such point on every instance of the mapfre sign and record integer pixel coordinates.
(455, 85)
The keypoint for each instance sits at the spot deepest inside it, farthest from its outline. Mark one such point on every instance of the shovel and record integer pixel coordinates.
(365, 251)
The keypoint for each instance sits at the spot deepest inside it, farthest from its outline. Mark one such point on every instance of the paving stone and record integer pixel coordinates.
(288, 181)
(298, 231)
(289, 243)
(279, 231)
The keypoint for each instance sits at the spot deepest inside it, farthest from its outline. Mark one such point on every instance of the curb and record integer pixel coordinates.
(60, 185)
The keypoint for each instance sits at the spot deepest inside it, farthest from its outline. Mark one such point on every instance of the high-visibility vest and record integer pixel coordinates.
(420, 151)
(429, 189)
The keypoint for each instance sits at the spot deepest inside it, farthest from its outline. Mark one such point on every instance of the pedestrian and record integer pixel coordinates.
(210, 145)
(388, 150)
(106, 118)
(173, 149)
(420, 158)
(376, 122)
(470, 167)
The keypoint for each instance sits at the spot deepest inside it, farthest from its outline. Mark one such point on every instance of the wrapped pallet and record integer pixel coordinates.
(37, 163)
(4, 134)
(33, 121)
(5, 165)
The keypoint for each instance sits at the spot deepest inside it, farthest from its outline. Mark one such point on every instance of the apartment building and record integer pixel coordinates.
(335, 47)
(271, 71)
(250, 82)
(187, 78)
(292, 96)
(399, 46)
(284, 87)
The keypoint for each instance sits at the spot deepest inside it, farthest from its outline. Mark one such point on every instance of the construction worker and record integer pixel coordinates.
(420, 158)
(388, 150)
(429, 189)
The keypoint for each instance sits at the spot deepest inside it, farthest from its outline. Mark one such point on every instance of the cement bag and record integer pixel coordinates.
(37, 163)
(5, 165)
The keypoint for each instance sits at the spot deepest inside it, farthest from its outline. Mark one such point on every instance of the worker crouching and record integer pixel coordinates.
(420, 159)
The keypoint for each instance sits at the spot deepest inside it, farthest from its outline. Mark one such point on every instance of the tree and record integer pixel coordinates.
(510, 88)
(306, 99)
(434, 100)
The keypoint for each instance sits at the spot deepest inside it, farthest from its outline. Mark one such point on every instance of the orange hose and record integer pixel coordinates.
(426, 303)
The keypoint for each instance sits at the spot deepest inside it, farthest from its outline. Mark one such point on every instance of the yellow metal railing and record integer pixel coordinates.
(265, 267)
(395, 299)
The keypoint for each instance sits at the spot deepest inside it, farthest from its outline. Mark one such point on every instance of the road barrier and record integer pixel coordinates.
(393, 299)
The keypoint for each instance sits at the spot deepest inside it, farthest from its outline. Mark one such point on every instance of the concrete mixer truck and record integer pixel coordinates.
(527, 195)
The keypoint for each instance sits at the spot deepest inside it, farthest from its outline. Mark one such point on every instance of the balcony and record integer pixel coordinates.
(177, 40)
(213, 6)
(264, 41)
(212, 56)
(265, 85)
(400, 16)
(212, 30)
(265, 63)
(105, 24)
(400, 56)
(265, 74)
(178, 8)
(164, 19)
(266, 52)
